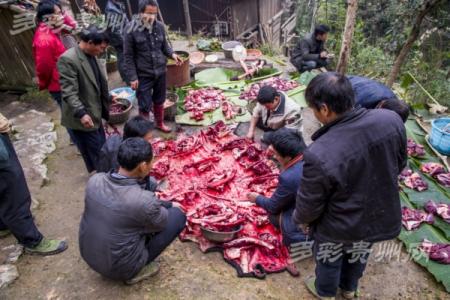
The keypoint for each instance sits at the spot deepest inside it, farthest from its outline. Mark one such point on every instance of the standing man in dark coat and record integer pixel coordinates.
(348, 196)
(116, 19)
(146, 51)
(85, 98)
(310, 52)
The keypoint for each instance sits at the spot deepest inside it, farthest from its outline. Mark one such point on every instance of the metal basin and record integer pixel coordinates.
(219, 236)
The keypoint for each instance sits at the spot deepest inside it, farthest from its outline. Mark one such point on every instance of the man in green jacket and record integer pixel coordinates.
(85, 98)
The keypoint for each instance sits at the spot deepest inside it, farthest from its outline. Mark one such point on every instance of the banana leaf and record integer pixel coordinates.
(418, 199)
(298, 95)
(412, 239)
(264, 74)
(214, 76)
(221, 78)
(217, 115)
(435, 191)
(306, 77)
(416, 133)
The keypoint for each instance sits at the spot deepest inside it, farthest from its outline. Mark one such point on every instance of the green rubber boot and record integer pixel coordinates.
(48, 247)
(310, 284)
(147, 271)
(350, 294)
(4, 233)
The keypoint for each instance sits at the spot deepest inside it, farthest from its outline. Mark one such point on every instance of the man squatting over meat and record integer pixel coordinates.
(349, 193)
(287, 146)
(137, 126)
(125, 227)
(273, 111)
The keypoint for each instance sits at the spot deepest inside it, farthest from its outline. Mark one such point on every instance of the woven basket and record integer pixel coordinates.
(116, 118)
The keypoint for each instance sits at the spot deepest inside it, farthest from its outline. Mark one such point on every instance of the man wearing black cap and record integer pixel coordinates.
(273, 111)
(310, 52)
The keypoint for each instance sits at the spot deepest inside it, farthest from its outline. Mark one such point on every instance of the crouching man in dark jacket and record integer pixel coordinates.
(349, 193)
(372, 94)
(125, 227)
(287, 146)
(310, 52)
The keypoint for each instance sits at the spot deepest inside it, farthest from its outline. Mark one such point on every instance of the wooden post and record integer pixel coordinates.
(187, 17)
(130, 12)
(346, 46)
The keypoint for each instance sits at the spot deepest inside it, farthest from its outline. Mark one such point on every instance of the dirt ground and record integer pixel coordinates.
(186, 273)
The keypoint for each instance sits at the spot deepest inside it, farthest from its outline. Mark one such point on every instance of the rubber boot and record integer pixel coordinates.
(158, 111)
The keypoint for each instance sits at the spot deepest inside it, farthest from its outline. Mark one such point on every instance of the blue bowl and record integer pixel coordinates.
(130, 91)
(439, 138)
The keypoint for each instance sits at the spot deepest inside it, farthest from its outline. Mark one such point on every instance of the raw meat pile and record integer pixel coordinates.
(442, 210)
(437, 252)
(279, 84)
(436, 171)
(117, 108)
(412, 180)
(415, 150)
(197, 102)
(444, 179)
(432, 168)
(210, 174)
(228, 110)
(412, 218)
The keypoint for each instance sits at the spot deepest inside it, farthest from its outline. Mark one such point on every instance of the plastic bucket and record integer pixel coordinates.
(440, 135)
(228, 47)
(129, 91)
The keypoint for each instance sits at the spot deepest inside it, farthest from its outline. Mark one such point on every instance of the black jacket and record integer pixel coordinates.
(308, 49)
(349, 191)
(145, 52)
(107, 161)
(116, 20)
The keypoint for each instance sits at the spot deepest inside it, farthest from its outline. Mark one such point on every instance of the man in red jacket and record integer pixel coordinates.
(47, 48)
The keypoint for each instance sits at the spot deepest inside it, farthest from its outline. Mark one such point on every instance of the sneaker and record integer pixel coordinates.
(310, 284)
(147, 271)
(350, 294)
(48, 247)
(4, 233)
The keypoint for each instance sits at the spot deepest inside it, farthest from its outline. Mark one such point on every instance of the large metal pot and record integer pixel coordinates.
(218, 236)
